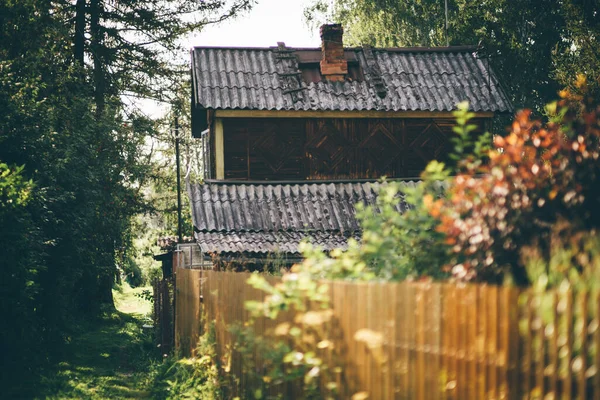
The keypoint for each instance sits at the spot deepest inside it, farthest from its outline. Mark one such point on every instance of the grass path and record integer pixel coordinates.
(109, 359)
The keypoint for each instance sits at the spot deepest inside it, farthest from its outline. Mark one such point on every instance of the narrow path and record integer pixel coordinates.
(109, 359)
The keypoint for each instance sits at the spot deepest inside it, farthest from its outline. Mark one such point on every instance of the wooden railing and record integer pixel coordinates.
(439, 341)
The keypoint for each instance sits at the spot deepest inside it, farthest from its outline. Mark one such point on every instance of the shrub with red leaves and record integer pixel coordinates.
(538, 175)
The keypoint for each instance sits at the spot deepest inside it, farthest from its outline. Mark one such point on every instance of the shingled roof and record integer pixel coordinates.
(414, 79)
(274, 217)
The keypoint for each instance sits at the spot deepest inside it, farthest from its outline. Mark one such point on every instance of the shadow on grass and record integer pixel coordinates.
(112, 357)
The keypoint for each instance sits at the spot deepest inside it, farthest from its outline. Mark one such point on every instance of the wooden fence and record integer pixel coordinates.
(163, 313)
(439, 341)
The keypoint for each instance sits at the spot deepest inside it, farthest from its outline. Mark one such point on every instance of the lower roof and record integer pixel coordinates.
(263, 243)
(267, 207)
(259, 218)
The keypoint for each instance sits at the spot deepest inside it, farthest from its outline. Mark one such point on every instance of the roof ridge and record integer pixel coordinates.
(415, 49)
(306, 182)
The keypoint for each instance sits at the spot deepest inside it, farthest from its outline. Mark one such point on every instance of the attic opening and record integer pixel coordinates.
(310, 67)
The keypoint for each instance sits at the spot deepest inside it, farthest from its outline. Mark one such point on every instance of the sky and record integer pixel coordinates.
(269, 22)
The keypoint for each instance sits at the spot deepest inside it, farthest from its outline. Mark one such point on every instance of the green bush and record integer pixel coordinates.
(191, 378)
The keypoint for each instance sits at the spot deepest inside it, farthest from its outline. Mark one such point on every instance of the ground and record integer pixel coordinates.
(111, 358)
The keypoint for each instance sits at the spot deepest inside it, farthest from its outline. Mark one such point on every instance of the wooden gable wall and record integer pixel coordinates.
(333, 148)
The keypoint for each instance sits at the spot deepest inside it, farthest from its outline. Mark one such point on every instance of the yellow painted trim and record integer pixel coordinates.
(219, 149)
(339, 114)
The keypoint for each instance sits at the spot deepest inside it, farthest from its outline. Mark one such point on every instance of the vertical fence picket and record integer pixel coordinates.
(411, 341)
(492, 349)
(514, 344)
(376, 311)
(552, 331)
(472, 341)
(580, 363)
(596, 335)
(526, 360)
(539, 348)
(389, 296)
(435, 320)
(450, 319)
(419, 344)
(482, 320)
(503, 342)
(568, 347)
(361, 323)
(401, 367)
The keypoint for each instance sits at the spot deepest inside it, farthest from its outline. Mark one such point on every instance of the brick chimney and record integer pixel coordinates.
(334, 66)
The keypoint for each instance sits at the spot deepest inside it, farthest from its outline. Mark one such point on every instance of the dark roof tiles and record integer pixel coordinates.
(280, 207)
(274, 217)
(419, 80)
(268, 242)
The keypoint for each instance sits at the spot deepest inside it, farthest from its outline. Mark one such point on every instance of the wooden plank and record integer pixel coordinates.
(375, 312)
(420, 342)
(473, 342)
(389, 293)
(552, 331)
(492, 344)
(482, 321)
(503, 341)
(219, 148)
(526, 360)
(462, 378)
(450, 333)
(401, 367)
(539, 348)
(514, 344)
(596, 335)
(410, 321)
(580, 363)
(568, 347)
(360, 323)
(435, 322)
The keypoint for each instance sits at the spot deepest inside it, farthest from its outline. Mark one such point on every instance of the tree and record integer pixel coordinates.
(536, 47)
(133, 43)
(64, 66)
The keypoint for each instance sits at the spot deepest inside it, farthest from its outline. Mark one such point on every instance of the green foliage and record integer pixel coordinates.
(469, 151)
(536, 46)
(270, 372)
(111, 356)
(146, 295)
(297, 352)
(85, 157)
(191, 378)
(14, 190)
(573, 259)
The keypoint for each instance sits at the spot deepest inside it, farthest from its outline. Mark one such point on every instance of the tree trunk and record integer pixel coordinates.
(105, 285)
(96, 49)
(79, 49)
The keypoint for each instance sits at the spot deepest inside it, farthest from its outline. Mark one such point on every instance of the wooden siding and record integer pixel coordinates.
(264, 149)
(333, 148)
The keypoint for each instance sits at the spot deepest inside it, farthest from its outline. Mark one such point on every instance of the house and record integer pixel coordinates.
(293, 137)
